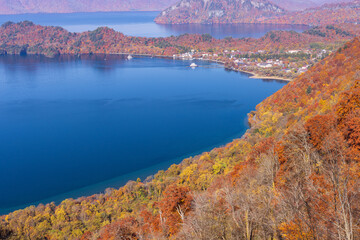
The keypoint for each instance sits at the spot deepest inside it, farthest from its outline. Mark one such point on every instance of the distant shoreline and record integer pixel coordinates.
(253, 75)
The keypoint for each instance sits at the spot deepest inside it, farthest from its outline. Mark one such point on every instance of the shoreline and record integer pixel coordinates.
(120, 181)
(253, 74)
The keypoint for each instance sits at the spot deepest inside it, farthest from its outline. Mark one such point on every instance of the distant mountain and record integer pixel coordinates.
(259, 11)
(218, 11)
(62, 6)
(66, 6)
(297, 5)
(335, 13)
(322, 2)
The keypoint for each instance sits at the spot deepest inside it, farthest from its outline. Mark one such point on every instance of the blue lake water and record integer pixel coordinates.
(142, 24)
(98, 121)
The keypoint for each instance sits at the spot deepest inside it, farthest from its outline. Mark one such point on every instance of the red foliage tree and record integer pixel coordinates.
(124, 229)
(173, 207)
(319, 127)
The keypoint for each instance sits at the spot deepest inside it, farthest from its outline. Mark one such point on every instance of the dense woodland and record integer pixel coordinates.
(28, 38)
(293, 175)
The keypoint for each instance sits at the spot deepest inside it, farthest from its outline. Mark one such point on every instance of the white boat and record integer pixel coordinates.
(193, 65)
(129, 57)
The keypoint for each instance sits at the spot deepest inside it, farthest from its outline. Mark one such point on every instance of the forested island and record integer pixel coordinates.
(278, 54)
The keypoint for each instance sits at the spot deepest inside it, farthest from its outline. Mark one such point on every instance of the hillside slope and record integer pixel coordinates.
(68, 6)
(294, 175)
(217, 11)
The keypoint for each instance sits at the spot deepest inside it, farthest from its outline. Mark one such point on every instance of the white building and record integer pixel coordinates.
(264, 65)
(294, 51)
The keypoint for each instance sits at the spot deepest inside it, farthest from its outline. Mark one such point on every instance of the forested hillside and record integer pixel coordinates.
(28, 38)
(294, 175)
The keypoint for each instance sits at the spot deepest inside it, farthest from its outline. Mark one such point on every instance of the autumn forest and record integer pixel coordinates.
(295, 174)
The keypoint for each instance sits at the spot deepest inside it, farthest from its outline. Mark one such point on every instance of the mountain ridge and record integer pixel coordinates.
(329, 13)
(262, 11)
(69, 6)
(218, 11)
(299, 5)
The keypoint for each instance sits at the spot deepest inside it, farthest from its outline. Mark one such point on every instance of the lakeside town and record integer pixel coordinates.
(285, 65)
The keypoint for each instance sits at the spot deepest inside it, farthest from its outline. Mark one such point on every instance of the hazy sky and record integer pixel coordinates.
(59, 6)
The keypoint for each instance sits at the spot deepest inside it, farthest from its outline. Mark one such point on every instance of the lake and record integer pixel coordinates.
(142, 24)
(73, 126)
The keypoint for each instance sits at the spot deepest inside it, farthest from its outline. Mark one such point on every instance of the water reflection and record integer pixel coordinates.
(30, 64)
(99, 62)
(234, 30)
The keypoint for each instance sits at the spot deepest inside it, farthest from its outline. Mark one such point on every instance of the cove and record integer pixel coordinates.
(73, 126)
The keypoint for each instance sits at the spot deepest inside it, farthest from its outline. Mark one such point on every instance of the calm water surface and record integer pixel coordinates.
(98, 121)
(142, 24)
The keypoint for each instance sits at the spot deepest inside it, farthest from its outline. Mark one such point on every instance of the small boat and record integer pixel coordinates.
(193, 65)
(129, 57)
